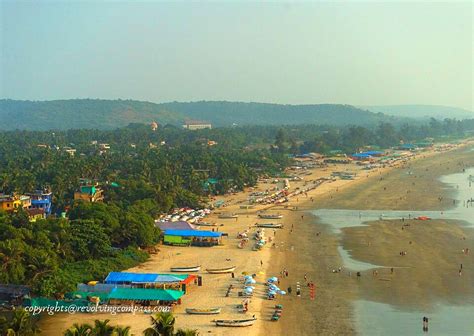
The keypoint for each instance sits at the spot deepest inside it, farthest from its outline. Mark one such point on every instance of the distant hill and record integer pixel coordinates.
(422, 111)
(108, 114)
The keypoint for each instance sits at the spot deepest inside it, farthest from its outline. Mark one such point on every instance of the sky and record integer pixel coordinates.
(352, 52)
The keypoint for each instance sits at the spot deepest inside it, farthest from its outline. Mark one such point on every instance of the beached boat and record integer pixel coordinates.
(205, 224)
(186, 269)
(221, 270)
(203, 311)
(223, 216)
(247, 206)
(270, 216)
(235, 323)
(270, 225)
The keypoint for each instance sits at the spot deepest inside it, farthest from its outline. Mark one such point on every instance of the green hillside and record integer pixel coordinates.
(422, 111)
(109, 114)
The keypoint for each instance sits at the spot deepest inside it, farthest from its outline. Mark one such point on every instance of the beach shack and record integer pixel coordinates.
(150, 280)
(192, 237)
(145, 297)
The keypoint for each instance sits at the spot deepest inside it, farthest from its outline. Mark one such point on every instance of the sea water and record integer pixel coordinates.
(374, 318)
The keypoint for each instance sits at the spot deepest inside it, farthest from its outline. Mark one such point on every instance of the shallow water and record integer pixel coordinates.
(373, 318)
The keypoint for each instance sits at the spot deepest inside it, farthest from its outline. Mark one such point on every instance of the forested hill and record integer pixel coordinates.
(422, 111)
(109, 114)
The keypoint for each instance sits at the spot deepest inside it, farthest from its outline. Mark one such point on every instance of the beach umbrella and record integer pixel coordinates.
(271, 293)
(250, 281)
(282, 292)
(274, 279)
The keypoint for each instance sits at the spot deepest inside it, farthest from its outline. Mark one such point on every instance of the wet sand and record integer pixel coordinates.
(304, 251)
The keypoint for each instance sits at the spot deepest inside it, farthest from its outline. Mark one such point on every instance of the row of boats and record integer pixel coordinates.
(222, 323)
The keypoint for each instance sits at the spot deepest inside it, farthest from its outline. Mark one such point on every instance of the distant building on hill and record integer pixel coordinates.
(196, 125)
(154, 125)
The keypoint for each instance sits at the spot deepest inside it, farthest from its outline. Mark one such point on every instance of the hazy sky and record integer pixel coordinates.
(359, 53)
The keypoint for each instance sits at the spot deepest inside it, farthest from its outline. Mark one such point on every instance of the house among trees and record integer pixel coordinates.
(10, 203)
(89, 192)
(41, 199)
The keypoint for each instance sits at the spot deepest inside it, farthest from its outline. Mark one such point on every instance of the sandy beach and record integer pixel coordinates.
(427, 274)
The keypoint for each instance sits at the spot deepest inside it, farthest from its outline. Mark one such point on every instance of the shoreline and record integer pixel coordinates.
(361, 292)
(315, 256)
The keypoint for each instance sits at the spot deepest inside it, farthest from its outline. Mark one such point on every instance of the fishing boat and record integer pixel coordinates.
(186, 269)
(221, 270)
(203, 311)
(205, 224)
(235, 323)
(270, 216)
(247, 206)
(223, 216)
(270, 225)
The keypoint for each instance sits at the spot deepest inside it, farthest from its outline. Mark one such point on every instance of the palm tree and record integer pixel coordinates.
(187, 332)
(79, 330)
(121, 331)
(20, 324)
(102, 328)
(162, 325)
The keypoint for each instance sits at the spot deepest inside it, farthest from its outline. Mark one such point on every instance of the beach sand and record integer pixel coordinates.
(311, 248)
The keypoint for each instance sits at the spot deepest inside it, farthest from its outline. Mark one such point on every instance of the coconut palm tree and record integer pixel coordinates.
(102, 328)
(19, 325)
(187, 332)
(121, 331)
(162, 325)
(79, 330)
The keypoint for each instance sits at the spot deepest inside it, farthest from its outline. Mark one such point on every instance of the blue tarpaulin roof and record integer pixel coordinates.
(192, 233)
(124, 277)
(372, 153)
(361, 155)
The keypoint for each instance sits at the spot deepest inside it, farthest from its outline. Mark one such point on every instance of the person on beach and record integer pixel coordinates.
(261, 263)
(289, 290)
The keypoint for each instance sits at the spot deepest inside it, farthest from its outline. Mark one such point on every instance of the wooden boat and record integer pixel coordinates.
(249, 206)
(270, 225)
(186, 269)
(221, 270)
(235, 323)
(223, 216)
(205, 224)
(203, 311)
(270, 216)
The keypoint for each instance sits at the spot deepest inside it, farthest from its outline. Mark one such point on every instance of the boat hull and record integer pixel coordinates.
(270, 226)
(186, 269)
(235, 323)
(197, 311)
(271, 216)
(220, 270)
